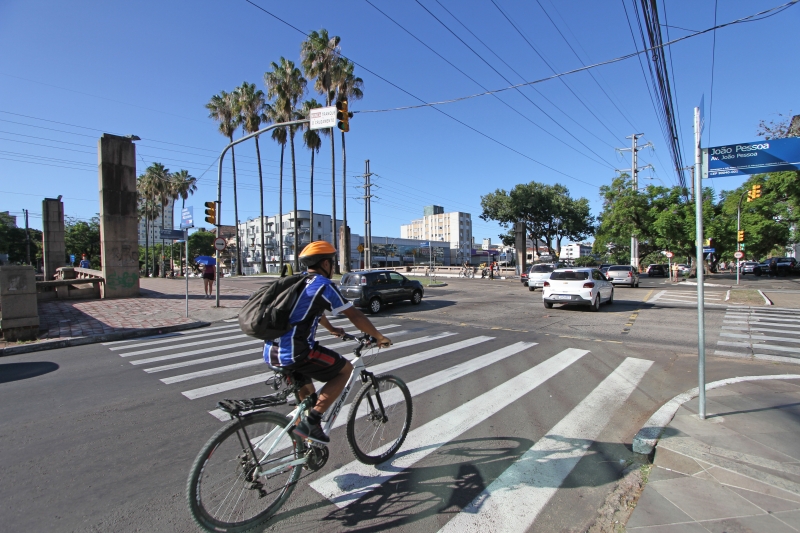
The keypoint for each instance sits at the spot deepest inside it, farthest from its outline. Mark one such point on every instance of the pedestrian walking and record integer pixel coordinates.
(773, 268)
(722, 266)
(209, 273)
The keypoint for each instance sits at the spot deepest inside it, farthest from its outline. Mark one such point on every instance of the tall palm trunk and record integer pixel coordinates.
(294, 208)
(161, 270)
(346, 245)
(261, 200)
(146, 240)
(235, 215)
(311, 209)
(334, 233)
(280, 211)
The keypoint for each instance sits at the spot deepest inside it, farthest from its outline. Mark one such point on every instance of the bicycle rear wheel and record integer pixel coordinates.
(224, 490)
(375, 434)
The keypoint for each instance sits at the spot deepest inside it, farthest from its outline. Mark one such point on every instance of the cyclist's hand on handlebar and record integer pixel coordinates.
(383, 342)
(339, 332)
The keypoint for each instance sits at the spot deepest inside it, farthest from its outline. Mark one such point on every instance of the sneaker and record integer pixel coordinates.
(312, 432)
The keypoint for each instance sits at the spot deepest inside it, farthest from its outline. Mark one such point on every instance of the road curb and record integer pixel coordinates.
(767, 301)
(647, 438)
(93, 339)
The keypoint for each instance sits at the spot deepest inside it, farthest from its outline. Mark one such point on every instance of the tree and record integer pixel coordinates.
(83, 237)
(12, 241)
(161, 187)
(348, 87)
(251, 114)
(319, 55)
(313, 142)
(273, 113)
(549, 213)
(147, 191)
(287, 85)
(201, 242)
(585, 261)
(223, 108)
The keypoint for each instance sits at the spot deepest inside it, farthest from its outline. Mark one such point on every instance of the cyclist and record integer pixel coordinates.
(299, 352)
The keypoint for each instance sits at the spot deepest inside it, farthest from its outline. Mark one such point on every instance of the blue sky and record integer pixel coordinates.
(73, 70)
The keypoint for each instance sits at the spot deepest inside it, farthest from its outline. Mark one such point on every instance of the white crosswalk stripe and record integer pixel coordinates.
(686, 297)
(760, 333)
(223, 364)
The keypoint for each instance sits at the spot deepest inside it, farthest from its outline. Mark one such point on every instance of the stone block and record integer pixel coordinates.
(19, 305)
(19, 312)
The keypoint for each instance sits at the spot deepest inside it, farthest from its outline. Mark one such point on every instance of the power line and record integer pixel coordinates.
(515, 110)
(713, 61)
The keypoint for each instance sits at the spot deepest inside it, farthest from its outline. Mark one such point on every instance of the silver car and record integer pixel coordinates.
(624, 274)
(538, 274)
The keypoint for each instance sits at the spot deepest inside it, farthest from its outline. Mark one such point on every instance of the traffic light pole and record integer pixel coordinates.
(738, 230)
(219, 187)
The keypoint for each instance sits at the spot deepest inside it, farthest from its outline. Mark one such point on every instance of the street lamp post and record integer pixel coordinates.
(738, 229)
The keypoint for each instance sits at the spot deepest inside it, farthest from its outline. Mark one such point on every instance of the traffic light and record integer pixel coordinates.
(211, 212)
(342, 115)
(750, 195)
(740, 236)
(757, 191)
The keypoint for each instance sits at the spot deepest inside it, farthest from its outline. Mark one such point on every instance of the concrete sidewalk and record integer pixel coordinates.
(736, 471)
(160, 308)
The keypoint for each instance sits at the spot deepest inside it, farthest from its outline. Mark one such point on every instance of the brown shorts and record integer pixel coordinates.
(321, 364)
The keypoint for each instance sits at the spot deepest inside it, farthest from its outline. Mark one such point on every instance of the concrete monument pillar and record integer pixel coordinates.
(53, 248)
(119, 238)
(521, 232)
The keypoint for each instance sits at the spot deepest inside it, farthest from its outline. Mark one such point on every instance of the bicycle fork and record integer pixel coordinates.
(368, 376)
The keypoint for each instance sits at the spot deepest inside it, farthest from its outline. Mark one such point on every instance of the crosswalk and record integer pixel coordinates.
(770, 334)
(688, 297)
(220, 362)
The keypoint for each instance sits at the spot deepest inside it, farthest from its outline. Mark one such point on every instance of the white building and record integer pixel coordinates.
(250, 237)
(573, 251)
(454, 228)
(155, 225)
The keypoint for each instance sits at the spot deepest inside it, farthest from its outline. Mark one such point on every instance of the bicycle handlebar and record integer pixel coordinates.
(364, 341)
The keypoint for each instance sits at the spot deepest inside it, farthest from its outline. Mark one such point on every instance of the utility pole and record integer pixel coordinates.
(701, 330)
(367, 217)
(27, 238)
(634, 170)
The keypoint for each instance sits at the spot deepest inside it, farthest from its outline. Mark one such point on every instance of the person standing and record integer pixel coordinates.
(85, 262)
(209, 273)
(674, 275)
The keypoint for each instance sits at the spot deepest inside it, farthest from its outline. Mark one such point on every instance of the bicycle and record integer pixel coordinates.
(466, 273)
(248, 469)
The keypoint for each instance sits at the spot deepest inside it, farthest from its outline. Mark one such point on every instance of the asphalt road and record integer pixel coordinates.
(101, 438)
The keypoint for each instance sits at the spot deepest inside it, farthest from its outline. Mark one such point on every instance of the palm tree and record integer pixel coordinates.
(183, 185)
(223, 108)
(161, 189)
(287, 85)
(145, 191)
(313, 142)
(348, 87)
(319, 55)
(251, 115)
(273, 114)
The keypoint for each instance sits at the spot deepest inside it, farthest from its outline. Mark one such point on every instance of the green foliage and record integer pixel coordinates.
(201, 242)
(549, 213)
(585, 261)
(12, 242)
(82, 237)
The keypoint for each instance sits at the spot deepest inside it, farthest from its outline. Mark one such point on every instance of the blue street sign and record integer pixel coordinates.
(709, 250)
(758, 157)
(187, 217)
(71, 258)
(425, 244)
(171, 234)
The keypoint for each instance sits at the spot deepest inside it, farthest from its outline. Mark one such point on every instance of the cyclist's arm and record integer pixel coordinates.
(330, 327)
(363, 323)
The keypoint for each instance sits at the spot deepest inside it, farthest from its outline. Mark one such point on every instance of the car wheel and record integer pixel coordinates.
(611, 298)
(375, 305)
(595, 304)
(548, 305)
(416, 298)
(531, 288)
(637, 284)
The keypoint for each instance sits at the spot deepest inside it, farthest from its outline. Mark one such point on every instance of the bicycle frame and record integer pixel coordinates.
(329, 420)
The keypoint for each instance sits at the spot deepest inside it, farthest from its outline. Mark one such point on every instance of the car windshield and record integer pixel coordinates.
(570, 275)
(541, 268)
(351, 279)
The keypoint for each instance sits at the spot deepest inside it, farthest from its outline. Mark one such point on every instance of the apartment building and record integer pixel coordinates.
(155, 225)
(454, 228)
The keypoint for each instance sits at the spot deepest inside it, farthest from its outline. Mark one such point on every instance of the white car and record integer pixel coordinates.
(538, 274)
(577, 286)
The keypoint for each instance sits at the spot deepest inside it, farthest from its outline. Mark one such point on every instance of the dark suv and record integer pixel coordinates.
(376, 288)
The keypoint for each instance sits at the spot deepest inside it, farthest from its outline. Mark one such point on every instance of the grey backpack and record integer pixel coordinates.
(266, 314)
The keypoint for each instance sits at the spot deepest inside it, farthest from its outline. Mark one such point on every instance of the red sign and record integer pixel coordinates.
(739, 255)
(670, 254)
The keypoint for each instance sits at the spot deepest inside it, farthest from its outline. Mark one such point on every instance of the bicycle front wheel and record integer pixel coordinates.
(375, 433)
(227, 488)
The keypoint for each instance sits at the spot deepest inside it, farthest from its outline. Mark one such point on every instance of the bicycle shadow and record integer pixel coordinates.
(463, 470)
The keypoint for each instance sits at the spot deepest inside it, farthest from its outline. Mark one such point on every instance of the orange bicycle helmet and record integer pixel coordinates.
(317, 251)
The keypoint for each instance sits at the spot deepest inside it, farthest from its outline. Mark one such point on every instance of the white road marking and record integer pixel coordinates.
(212, 371)
(174, 334)
(513, 501)
(163, 341)
(350, 330)
(345, 485)
(757, 337)
(236, 335)
(195, 352)
(410, 342)
(202, 360)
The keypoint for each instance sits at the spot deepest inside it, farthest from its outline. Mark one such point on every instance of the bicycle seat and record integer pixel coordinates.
(283, 371)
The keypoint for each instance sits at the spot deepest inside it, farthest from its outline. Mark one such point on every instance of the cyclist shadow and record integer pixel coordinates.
(462, 472)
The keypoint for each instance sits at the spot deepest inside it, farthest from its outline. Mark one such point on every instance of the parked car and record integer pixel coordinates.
(656, 270)
(376, 288)
(538, 274)
(749, 267)
(623, 274)
(604, 269)
(786, 265)
(579, 286)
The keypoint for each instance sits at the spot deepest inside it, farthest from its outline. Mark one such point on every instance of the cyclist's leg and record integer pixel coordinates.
(325, 365)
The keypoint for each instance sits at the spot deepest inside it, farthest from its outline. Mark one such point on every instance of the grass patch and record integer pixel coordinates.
(746, 297)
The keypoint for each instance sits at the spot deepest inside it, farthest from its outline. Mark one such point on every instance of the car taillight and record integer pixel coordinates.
(546, 283)
(630, 274)
(363, 280)
(588, 285)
